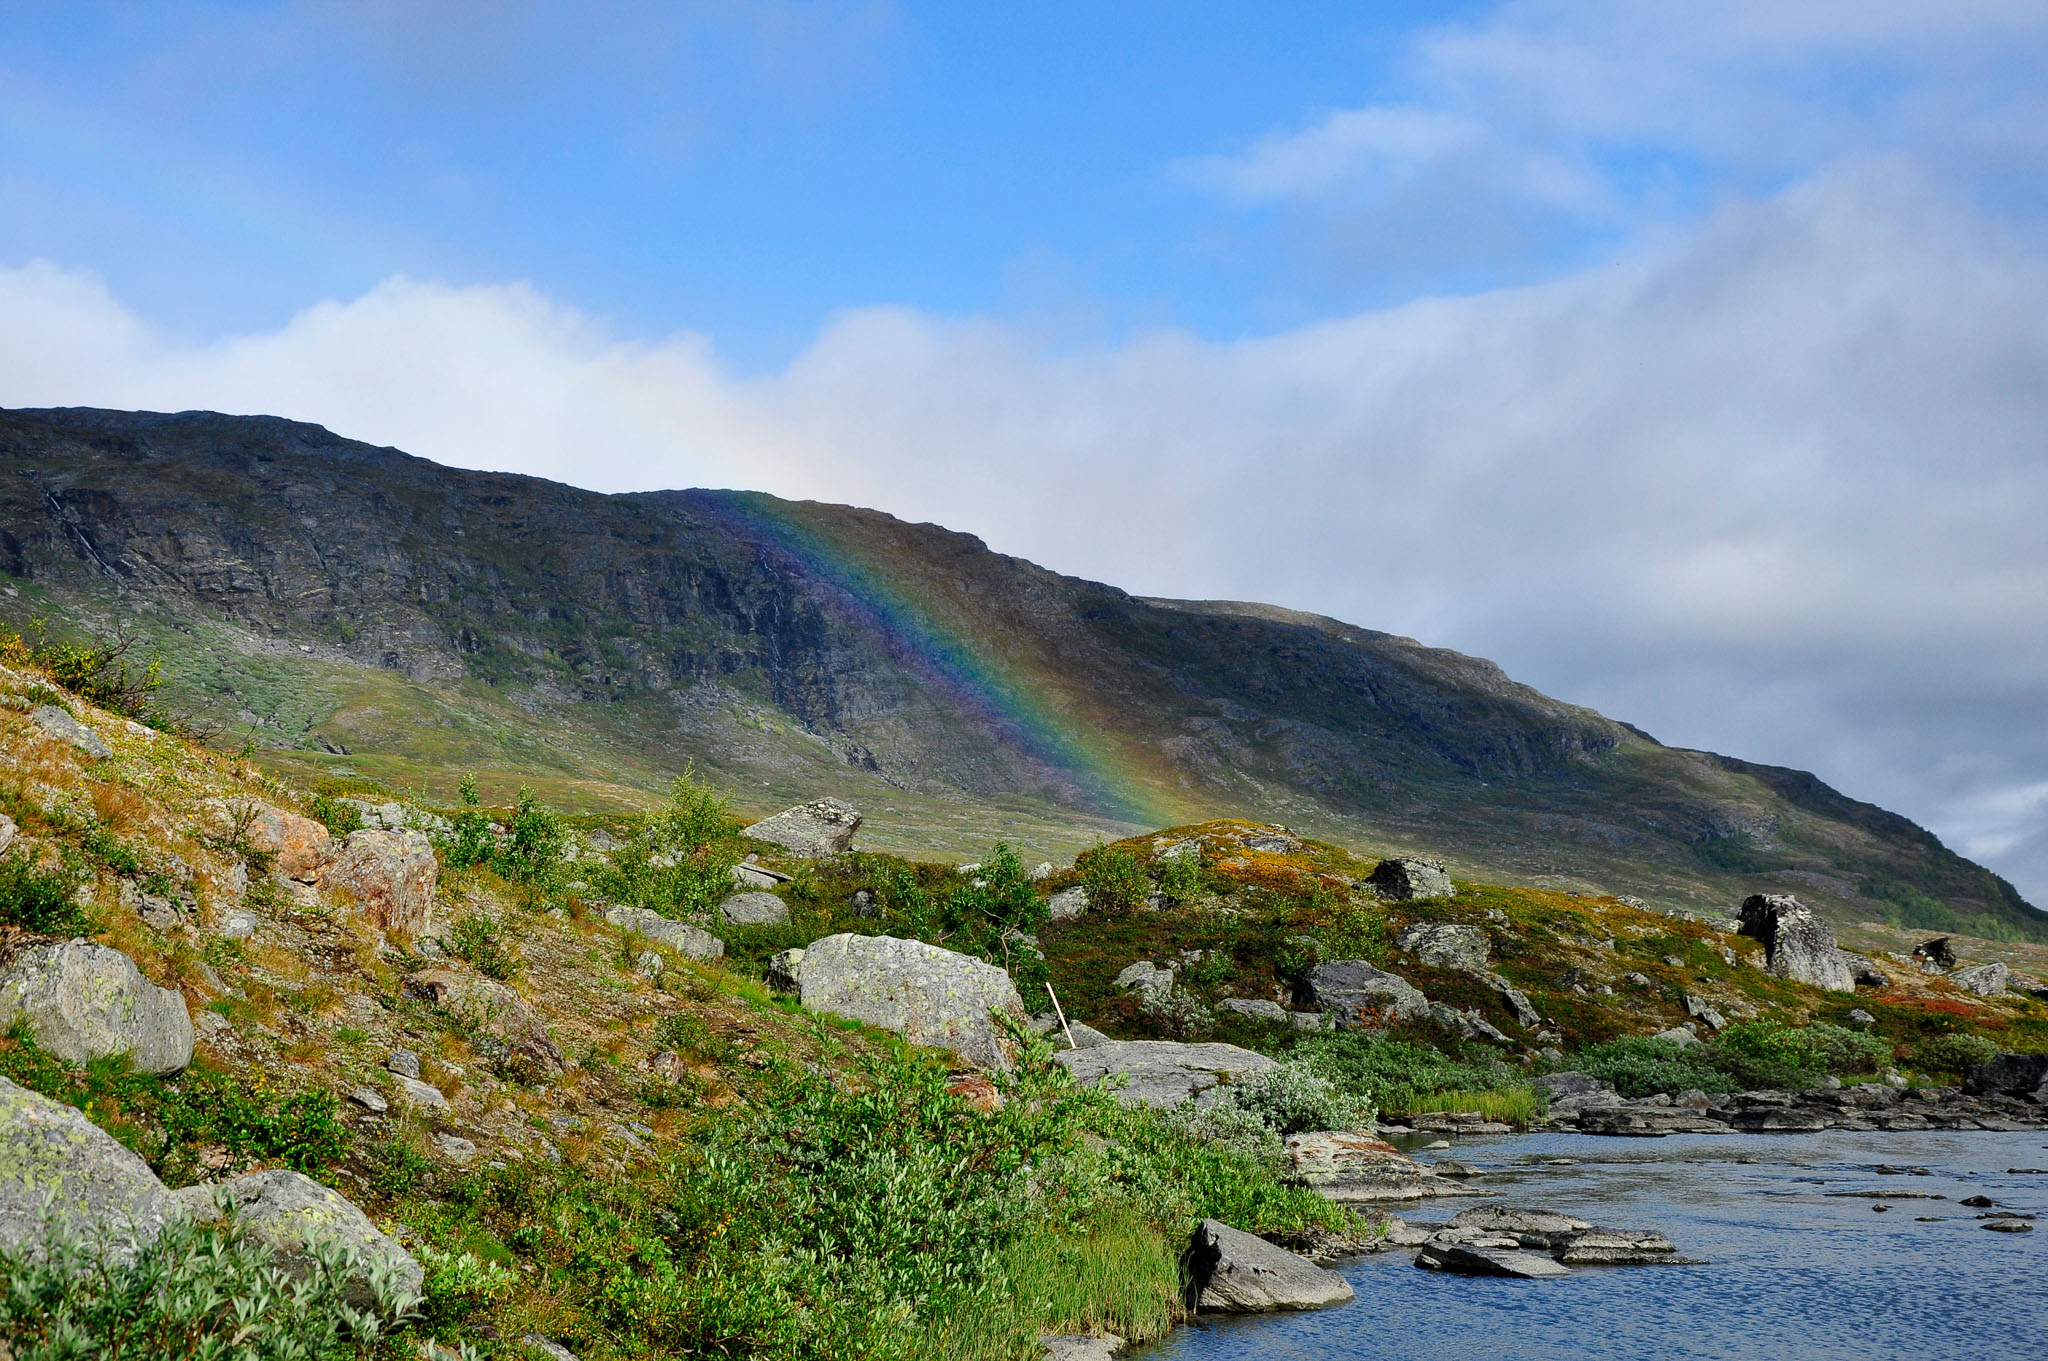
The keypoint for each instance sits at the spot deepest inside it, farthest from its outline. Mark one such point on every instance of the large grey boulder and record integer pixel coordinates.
(1231, 1271)
(1161, 1073)
(754, 909)
(1446, 945)
(1356, 993)
(1360, 1168)
(1067, 903)
(2010, 1074)
(819, 828)
(59, 723)
(1797, 945)
(296, 1216)
(61, 1172)
(87, 1001)
(1407, 878)
(1146, 978)
(1985, 980)
(923, 993)
(693, 941)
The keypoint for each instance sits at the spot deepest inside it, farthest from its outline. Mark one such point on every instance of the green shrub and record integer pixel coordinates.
(469, 840)
(1115, 880)
(678, 861)
(1643, 1065)
(197, 1291)
(1181, 879)
(532, 849)
(1394, 1074)
(1952, 1056)
(40, 900)
(480, 940)
(1292, 1097)
(337, 814)
(99, 673)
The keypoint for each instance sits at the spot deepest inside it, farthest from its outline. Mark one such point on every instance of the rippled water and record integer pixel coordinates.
(1792, 1272)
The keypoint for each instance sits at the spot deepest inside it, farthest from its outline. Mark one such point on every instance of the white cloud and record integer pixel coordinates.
(1774, 485)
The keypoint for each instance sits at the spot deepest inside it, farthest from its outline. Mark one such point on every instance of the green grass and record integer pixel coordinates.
(1518, 1106)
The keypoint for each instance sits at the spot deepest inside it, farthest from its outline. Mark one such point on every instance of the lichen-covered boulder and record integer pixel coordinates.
(58, 723)
(754, 909)
(1407, 878)
(1446, 945)
(298, 846)
(1355, 993)
(1985, 980)
(495, 1015)
(59, 1172)
(693, 941)
(391, 877)
(1161, 1073)
(1067, 903)
(819, 828)
(1797, 946)
(295, 1216)
(86, 1001)
(926, 994)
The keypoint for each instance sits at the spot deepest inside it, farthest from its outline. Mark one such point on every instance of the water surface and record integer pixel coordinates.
(1792, 1271)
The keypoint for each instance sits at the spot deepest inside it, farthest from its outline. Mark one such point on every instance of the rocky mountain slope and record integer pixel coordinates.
(357, 613)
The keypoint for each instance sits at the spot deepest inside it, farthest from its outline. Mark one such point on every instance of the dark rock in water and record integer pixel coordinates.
(2008, 1226)
(1406, 879)
(1532, 1228)
(1356, 993)
(1231, 1271)
(1462, 1260)
(1451, 1167)
(1618, 1247)
(1977, 1202)
(1796, 944)
(1937, 952)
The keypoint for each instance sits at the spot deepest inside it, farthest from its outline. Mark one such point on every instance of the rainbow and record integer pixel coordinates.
(1019, 707)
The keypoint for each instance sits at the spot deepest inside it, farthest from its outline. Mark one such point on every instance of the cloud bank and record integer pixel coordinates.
(1773, 484)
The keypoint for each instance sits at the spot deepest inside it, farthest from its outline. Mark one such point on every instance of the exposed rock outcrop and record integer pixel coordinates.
(822, 827)
(1360, 1168)
(754, 909)
(1159, 1072)
(494, 1014)
(1231, 1271)
(693, 941)
(924, 993)
(58, 723)
(61, 1172)
(296, 1216)
(1446, 945)
(88, 1001)
(1985, 980)
(299, 848)
(1797, 945)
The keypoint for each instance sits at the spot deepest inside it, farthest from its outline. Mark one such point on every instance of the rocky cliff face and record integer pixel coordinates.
(913, 655)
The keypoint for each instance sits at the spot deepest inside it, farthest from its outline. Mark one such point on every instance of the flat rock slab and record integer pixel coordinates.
(1358, 1168)
(1461, 1259)
(1240, 1273)
(59, 723)
(1447, 945)
(1081, 1348)
(1161, 1073)
(754, 909)
(821, 827)
(1532, 1228)
(88, 1001)
(693, 941)
(924, 993)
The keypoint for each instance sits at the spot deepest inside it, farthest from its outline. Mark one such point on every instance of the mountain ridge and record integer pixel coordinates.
(799, 643)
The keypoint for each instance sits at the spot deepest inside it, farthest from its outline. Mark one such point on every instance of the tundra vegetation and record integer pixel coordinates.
(692, 1163)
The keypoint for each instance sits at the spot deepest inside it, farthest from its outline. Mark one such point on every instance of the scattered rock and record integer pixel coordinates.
(491, 1009)
(1359, 1168)
(1701, 1010)
(1102, 1348)
(59, 1170)
(1525, 1011)
(1160, 1073)
(418, 1095)
(1860, 1017)
(1446, 945)
(1231, 1271)
(547, 1347)
(1797, 945)
(391, 876)
(87, 1001)
(1985, 980)
(1530, 1228)
(1272, 843)
(924, 993)
(403, 1062)
(821, 827)
(754, 909)
(7, 831)
(1146, 978)
(1451, 1167)
(2016, 1074)
(2007, 1226)
(238, 925)
(298, 846)
(59, 723)
(455, 1148)
(1405, 879)
(1936, 953)
(1678, 1035)
(864, 905)
(1462, 1260)
(1355, 993)
(683, 937)
(370, 1099)
(295, 1214)
(1068, 903)
(1258, 1008)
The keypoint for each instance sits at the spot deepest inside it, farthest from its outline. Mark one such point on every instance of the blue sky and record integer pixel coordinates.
(1690, 361)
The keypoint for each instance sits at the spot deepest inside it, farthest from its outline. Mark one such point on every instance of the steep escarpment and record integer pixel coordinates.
(351, 610)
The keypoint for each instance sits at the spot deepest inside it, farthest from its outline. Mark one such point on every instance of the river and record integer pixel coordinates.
(1792, 1271)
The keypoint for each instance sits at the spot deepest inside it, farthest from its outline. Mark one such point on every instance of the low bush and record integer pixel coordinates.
(480, 940)
(678, 861)
(1115, 881)
(1398, 1075)
(98, 672)
(1951, 1057)
(337, 814)
(1639, 1065)
(44, 900)
(1293, 1096)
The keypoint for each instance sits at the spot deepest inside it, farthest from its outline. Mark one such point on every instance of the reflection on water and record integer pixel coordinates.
(1793, 1272)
